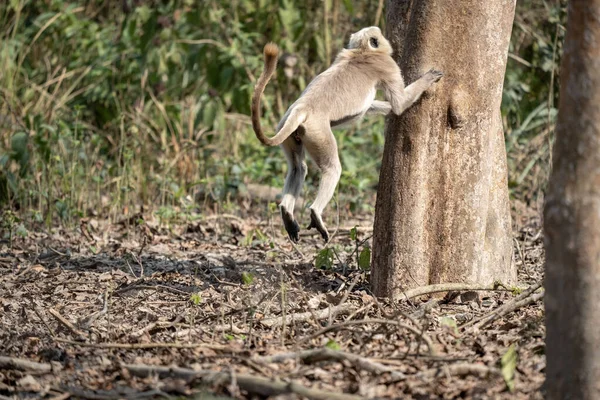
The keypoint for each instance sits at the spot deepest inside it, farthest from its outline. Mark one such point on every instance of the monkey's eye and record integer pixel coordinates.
(374, 42)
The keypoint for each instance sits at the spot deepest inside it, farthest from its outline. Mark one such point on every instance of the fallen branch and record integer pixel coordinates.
(450, 287)
(506, 309)
(305, 316)
(345, 324)
(425, 308)
(108, 394)
(249, 383)
(24, 365)
(66, 323)
(217, 347)
(521, 300)
(325, 354)
(459, 369)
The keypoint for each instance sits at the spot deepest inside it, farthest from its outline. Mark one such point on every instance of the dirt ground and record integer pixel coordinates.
(197, 309)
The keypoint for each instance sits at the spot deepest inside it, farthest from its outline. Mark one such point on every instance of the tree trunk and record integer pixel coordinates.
(572, 217)
(442, 212)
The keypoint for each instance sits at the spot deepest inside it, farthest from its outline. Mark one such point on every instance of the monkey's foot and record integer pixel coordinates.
(317, 222)
(434, 75)
(290, 224)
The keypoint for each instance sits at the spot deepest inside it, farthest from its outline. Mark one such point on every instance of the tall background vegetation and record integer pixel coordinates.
(107, 106)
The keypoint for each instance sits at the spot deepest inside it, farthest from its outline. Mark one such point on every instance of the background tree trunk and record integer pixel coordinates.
(442, 211)
(572, 216)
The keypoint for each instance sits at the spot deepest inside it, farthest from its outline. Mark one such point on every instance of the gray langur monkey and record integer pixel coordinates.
(341, 95)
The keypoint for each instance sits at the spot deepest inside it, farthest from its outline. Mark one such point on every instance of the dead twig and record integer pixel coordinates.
(524, 294)
(450, 287)
(325, 354)
(345, 296)
(136, 285)
(89, 320)
(503, 310)
(253, 384)
(216, 347)
(459, 369)
(346, 324)
(24, 365)
(66, 323)
(225, 216)
(38, 312)
(110, 394)
(155, 326)
(305, 316)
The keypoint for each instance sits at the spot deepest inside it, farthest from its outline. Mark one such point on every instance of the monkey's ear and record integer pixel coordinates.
(374, 42)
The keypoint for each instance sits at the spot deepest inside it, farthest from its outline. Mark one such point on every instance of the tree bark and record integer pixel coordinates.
(442, 212)
(572, 217)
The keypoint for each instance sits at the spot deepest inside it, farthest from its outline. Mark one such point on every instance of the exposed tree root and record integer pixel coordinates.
(450, 287)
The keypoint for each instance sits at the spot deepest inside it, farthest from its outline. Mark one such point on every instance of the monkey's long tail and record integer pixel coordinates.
(296, 117)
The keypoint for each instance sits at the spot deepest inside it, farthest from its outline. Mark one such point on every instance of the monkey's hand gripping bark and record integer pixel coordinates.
(341, 95)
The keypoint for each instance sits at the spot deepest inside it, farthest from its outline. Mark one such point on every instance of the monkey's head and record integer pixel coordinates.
(370, 39)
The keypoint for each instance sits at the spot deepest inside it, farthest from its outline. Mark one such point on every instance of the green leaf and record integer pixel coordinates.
(324, 259)
(450, 323)
(353, 233)
(209, 114)
(349, 6)
(333, 345)
(196, 298)
(18, 145)
(247, 278)
(272, 207)
(509, 365)
(21, 231)
(364, 259)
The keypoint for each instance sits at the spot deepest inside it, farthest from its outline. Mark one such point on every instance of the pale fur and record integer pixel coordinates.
(341, 95)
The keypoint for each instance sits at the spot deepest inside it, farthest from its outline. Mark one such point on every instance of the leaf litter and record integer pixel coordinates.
(202, 310)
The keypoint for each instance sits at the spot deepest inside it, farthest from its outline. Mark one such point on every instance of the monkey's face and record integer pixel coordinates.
(370, 39)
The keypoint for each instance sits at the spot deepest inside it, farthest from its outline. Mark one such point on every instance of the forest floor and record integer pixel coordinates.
(198, 309)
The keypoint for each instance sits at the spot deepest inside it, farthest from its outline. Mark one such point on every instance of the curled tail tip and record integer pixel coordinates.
(271, 50)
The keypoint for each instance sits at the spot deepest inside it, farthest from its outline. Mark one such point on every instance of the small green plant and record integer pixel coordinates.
(516, 290)
(256, 237)
(247, 278)
(333, 345)
(10, 223)
(450, 323)
(363, 257)
(508, 364)
(324, 258)
(196, 298)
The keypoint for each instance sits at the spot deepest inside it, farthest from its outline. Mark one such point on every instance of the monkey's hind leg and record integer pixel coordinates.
(324, 152)
(294, 152)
